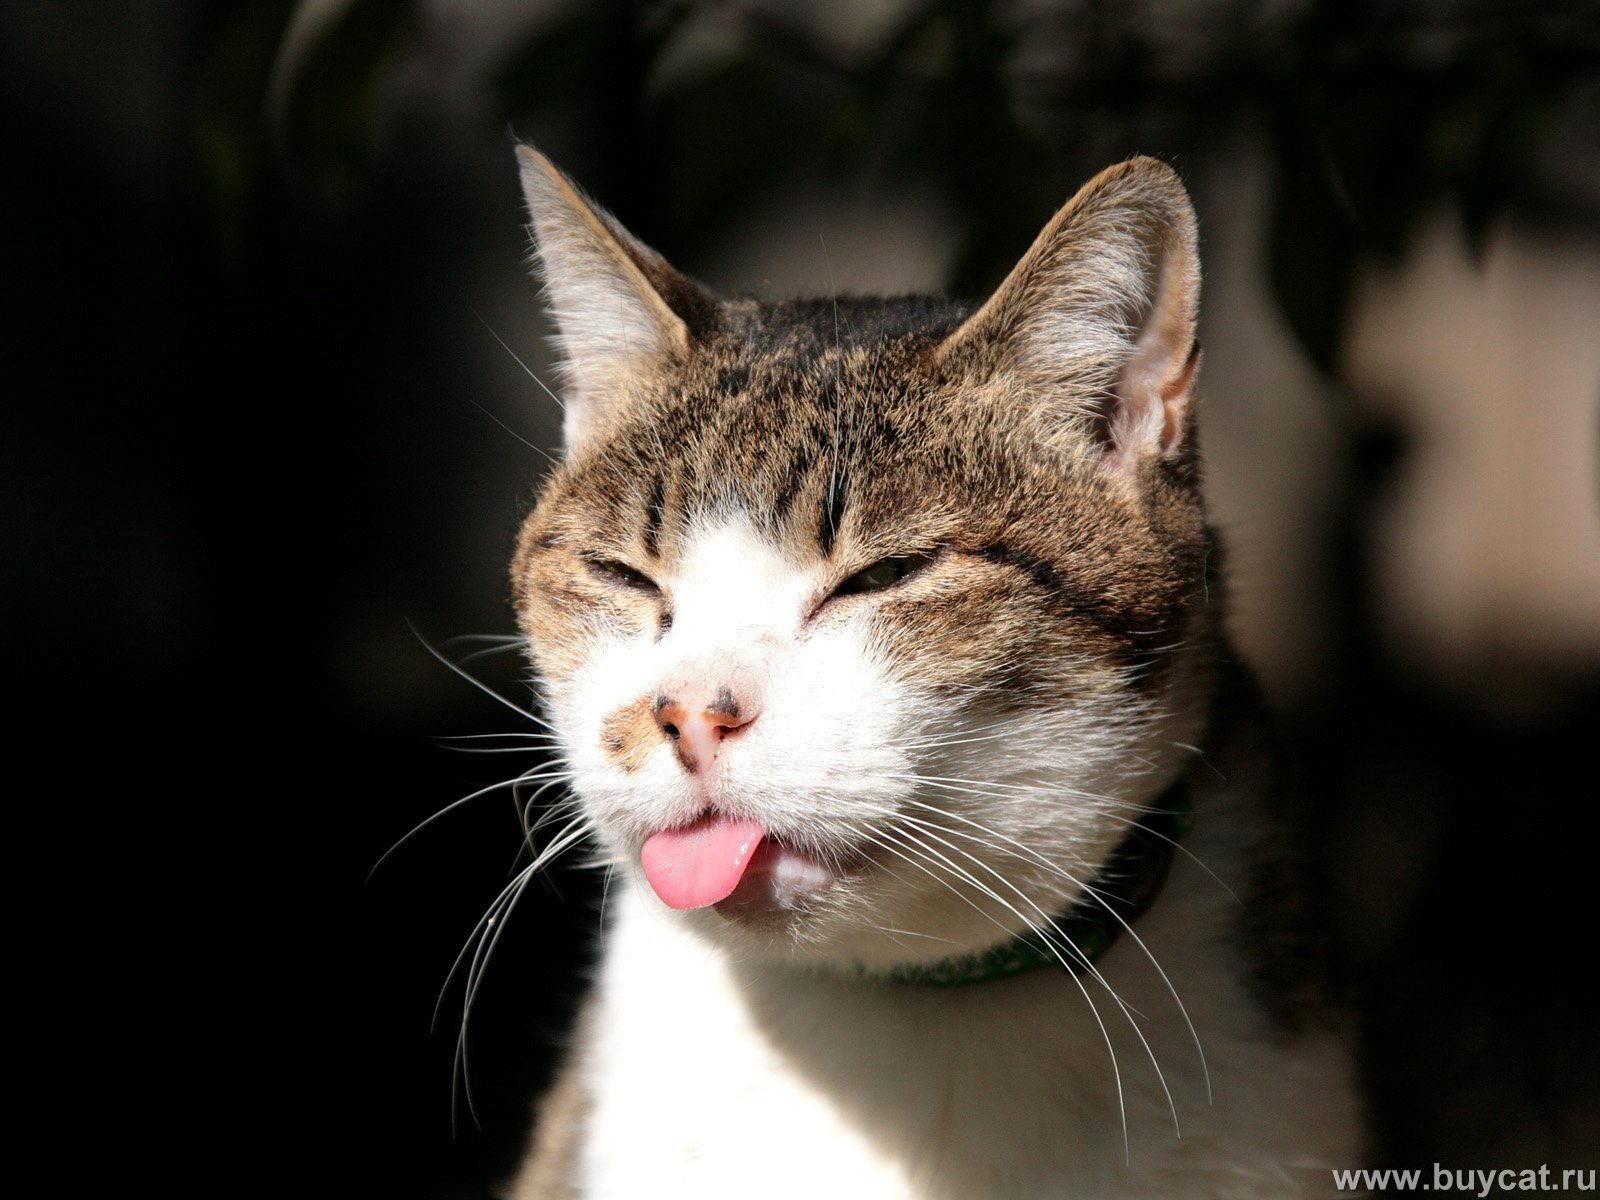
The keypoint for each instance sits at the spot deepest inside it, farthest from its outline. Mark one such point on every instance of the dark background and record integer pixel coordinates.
(263, 443)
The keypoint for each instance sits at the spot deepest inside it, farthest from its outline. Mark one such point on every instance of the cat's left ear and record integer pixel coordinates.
(621, 310)
(1096, 324)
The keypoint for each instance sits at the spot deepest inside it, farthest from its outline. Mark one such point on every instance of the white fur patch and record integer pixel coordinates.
(719, 1069)
(715, 1078)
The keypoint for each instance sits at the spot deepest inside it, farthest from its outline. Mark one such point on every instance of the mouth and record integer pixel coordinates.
(731, 863)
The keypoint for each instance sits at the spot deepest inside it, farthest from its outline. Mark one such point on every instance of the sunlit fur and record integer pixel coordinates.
(960, 750)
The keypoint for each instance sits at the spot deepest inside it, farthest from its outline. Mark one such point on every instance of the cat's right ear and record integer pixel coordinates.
(621, 310)
(1095, 327)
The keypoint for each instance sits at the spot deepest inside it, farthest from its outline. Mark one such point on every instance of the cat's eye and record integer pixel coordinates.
(622, 575)
(884, 573)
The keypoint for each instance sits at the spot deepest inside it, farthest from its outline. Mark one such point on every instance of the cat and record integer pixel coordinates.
(882, 642)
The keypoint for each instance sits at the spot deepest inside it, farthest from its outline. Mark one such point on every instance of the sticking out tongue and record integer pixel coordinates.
(702, 863)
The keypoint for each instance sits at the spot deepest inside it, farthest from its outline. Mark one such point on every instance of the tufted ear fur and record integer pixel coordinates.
(1096, 324)
(621, 310)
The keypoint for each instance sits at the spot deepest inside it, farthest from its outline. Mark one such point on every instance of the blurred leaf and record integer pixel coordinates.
(329, 111)
(229, 125)
(1376, 115)
(1375, 127)
(557, 63)
(702, 134)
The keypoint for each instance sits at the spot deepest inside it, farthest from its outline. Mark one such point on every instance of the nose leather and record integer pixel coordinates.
(697, 731)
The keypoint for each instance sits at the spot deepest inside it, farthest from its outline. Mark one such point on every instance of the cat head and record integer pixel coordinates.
(868, 626)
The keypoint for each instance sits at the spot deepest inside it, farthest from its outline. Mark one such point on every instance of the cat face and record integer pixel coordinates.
(866, 626)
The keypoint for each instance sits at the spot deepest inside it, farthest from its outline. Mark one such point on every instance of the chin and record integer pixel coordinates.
(793, 905)
(781, 884)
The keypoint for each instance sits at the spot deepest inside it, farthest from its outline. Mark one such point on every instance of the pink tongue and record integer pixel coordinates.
(702, 863)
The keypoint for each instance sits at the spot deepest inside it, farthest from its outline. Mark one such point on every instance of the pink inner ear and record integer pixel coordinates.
(1175, 396)
(1154, 391)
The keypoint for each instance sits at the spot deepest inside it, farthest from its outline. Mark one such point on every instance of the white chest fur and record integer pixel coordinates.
(711, 1078)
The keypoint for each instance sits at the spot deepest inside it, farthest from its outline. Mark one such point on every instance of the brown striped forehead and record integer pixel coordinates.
(857, 451)
(854, 442)
(768, 437)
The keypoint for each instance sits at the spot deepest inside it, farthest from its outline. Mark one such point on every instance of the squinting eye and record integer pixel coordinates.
(622, 575)
(884, 573)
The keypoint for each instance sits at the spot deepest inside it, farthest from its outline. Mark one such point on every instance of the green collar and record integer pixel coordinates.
(1129, 884)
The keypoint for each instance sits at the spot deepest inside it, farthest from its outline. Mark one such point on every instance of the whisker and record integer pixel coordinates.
(1030, 855)
(1050, 944)
(476, 682)
(495, 919)
(932, 937)
(488, 650)
(1050, 927)
(1180, 848)
(449, 808)
(527, 370)
(467, 737)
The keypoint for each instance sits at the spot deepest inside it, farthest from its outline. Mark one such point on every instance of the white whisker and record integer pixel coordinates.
(1050, 927)
(1105, 1033)
(478, 683)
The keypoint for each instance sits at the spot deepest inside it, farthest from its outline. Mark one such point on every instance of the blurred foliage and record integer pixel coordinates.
(233, 78)
(1374, 123)
(337, 79)
(1375, 113)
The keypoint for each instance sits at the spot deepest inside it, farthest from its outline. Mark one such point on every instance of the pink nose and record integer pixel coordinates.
(698, 732)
